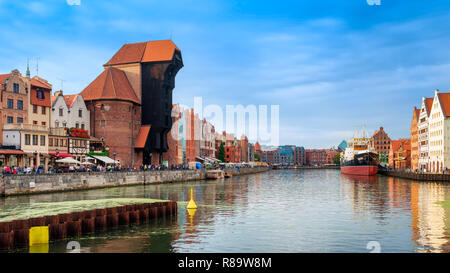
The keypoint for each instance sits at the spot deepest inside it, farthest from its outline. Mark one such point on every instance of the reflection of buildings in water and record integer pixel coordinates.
(430, 221)
(399, 192)
(366, 194)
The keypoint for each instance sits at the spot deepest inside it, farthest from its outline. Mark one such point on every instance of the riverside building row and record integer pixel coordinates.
(125, 113)
(430, 134)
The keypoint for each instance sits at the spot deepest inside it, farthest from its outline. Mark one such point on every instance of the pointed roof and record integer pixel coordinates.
(144, 52)
(39, 82)
(444, 99)
(4, 77)
(429, 104)
(112, 83)
(70, 99)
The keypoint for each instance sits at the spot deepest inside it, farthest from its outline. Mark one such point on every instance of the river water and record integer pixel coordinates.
(277, 211)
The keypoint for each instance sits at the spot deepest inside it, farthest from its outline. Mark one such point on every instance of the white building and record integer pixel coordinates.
(425, 109)
(69, 112)
(439, 132)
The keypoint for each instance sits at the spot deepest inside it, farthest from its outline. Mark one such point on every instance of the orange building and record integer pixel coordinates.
(400, 154)
(414, 139)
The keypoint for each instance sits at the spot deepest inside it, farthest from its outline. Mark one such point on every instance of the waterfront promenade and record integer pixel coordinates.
(416, 176)
(46, 183)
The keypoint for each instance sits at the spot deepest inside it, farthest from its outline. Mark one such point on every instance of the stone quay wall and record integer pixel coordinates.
(46, 183)
(418, 176)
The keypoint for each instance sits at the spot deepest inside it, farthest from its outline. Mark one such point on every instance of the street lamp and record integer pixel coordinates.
(56, 163)
(114, 155)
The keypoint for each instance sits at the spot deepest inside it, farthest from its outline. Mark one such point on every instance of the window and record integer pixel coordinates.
(77, 125)
(40, 94)
(43, 123)
(34, 122)
(56, 142)
(102, 123)
(35, 140)
(43, 110)
(10, 104)
(42, 140)
(80, 113)
(60, 112)
(64, 124)
(15, 87)
(35, 109)
(27, 139)
(82, 126)
(10, 119)
(50, 141)
(19, 120)
(19, 105)
(56, 124)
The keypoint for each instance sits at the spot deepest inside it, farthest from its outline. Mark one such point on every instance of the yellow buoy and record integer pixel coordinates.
(191, 204)
(39, 235)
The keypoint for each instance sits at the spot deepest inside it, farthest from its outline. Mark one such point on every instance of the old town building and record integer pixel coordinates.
(423, 143)
(299, 156)
(131, 100)
(381, 142)
(400, 154)
(438, 132)
(316, 157)
(69, 111)
(414, 139)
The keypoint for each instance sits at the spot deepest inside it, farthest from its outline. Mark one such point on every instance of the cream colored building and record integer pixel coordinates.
(69, 111)
(425, 109)
(439, 132)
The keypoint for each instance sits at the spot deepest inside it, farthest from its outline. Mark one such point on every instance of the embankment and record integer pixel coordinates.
(46, 183)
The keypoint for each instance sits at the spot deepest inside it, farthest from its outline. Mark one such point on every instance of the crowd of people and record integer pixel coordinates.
(14, 170)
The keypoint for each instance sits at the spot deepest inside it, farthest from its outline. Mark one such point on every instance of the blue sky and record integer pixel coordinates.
(330, 65)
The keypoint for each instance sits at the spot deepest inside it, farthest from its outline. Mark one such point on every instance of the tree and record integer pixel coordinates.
(337, 159)
(221, 156)
(257, 158)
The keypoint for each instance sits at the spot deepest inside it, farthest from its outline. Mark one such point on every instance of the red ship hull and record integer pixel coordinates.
(359, 170)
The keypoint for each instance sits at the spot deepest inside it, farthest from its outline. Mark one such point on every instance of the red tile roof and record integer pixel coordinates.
(70, 99)
(429, 104)
(110, 84)
(445, 103)
(151, 51)
(4, 77)
(405, 143)
(39, 82)
(142, 137)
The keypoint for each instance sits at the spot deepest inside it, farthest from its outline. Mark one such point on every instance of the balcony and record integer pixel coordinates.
(25, 127)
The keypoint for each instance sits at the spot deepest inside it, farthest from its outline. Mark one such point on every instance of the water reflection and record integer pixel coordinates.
(277, 211)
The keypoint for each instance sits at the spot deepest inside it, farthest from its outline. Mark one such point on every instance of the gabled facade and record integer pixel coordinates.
(381, 142)
(400, 154)
(439, 132)
(422, 128)
(414, 139)
(69, 111)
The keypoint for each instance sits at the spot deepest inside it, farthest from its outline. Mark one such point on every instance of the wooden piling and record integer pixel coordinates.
(74, 228)
(88, 225)
(100, 222)
(112, 220)
(7, 240)
(124, 218)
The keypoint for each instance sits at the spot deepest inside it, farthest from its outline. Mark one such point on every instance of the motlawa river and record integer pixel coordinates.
(276, 211)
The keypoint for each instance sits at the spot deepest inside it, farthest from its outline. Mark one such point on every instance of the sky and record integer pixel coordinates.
(331, 66)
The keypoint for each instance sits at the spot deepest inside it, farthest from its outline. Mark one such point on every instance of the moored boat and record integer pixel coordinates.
(359, 158)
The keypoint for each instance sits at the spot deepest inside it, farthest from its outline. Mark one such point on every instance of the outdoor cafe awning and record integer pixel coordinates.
(11, 152)
(105, 159)
(62, 154)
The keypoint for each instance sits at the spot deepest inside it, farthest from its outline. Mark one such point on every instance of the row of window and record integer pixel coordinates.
(61, 112)
(10, 104)
(35, 139)
(11, 119)
(64, 125)
(56, 142)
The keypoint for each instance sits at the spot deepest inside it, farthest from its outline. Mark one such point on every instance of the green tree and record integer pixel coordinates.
(221, 156)
(257, 158)
(337, 159)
